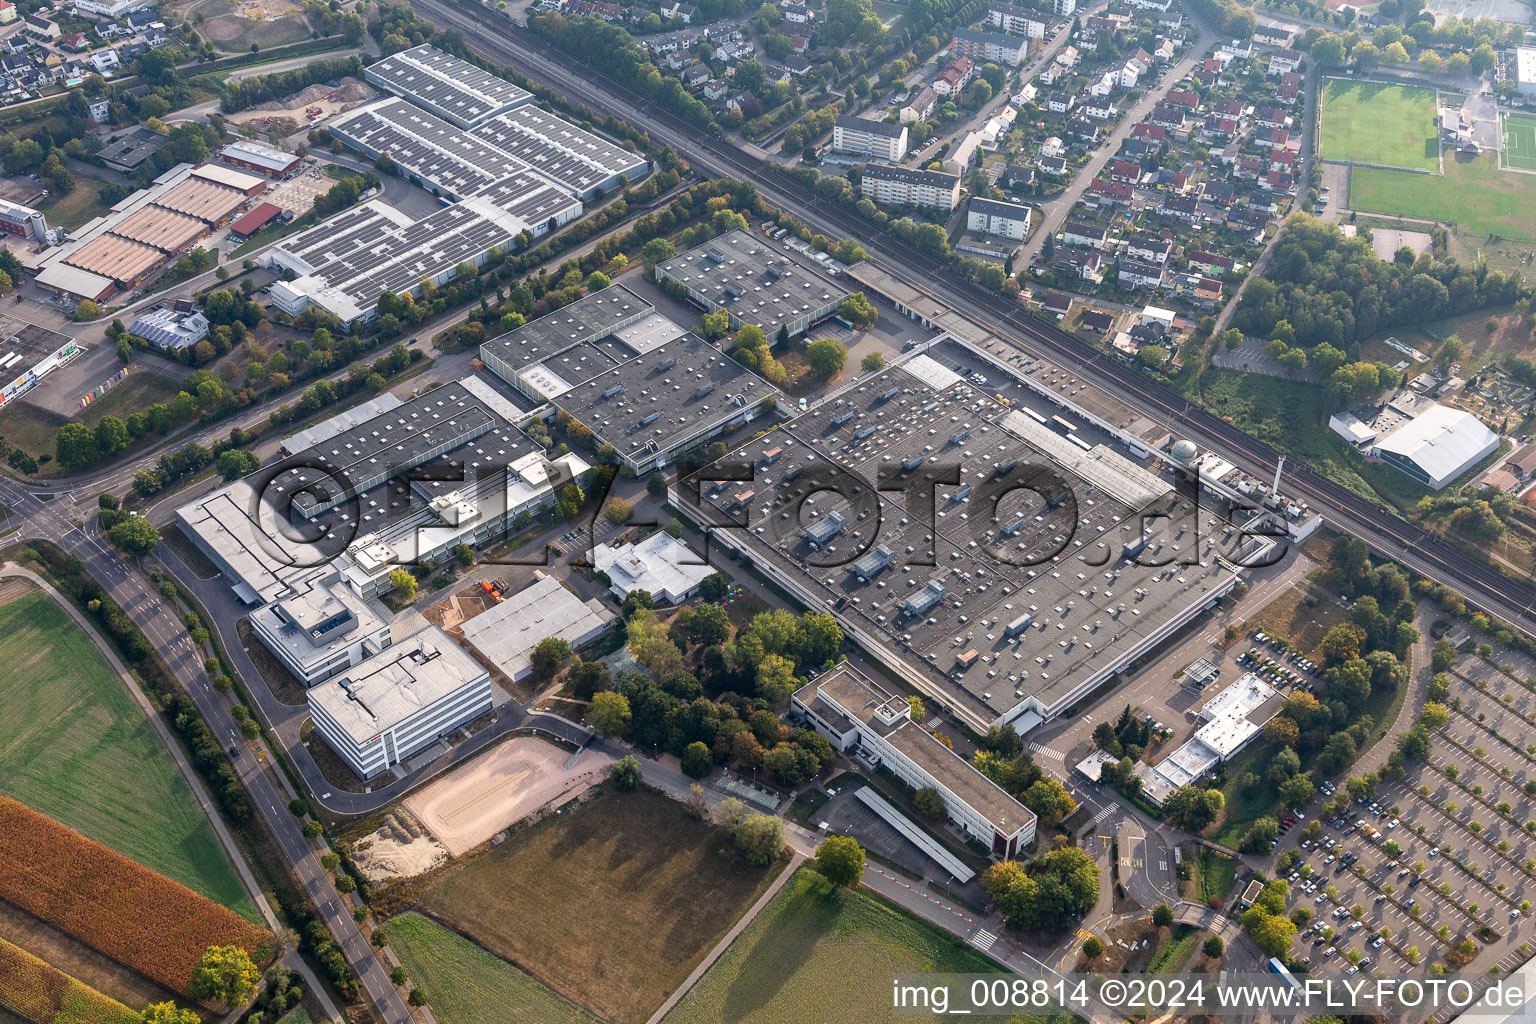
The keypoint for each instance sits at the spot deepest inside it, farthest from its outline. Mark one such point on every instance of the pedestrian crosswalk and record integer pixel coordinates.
(1106, 812)
(983, 940)
(1044, 751)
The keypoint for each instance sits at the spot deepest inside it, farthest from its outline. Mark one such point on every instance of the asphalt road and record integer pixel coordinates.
(164, 629)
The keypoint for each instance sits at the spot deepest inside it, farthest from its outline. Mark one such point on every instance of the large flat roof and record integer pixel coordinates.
(587, 319)
(160, 229)
(506, 633)
(441, 81)
(558, 149)
(1020, 534)
(759, 284)
(318, 614)
(675, 390)
(396, 683)
(425, 145)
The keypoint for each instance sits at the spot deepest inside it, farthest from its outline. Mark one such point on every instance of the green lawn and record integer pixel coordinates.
(75, 746)
(1472, 193)
(464, 984)
(813, 956)
(1520, 141)
(1218, 874)
(1368, 122)
(83, 203)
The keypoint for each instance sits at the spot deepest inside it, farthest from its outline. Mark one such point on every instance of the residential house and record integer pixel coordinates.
(1270, 137)
(7, 12)
(105, 61)
(1271, 117)
(1211, 263)
(1181, 98)
(1026, 94)
(797, 11)
(1168, 116)
(1218, 129)
(1016, 176)
(1149, 248)
(877, 140)
(1103, 85)
(1248, 168)
(74, 42)
(796, 65)
(920, 106)
(1056, 303)
(1130, 73)
(1221, 193)
(1169, 181)
(1085, 264)
(1165, 51)
(1289, 89)
(1049, 74)
(1282, 160)
(1125, 170)
(1100, 109)
(1067, 56)
(1179, 207)
(715, 90)
(1082, 129)
(1135, 275)
(1279, 182)
(1228, 108)
(1152, 5)
(1137, 150)
(1198, 288)
(1052, 147)
(1237, 49)
(1103, 192)
(1284, 61)
(1085, 234)
(1060, 102)
(1096, 320)
(1170, 21)
(1055, 167)
(955, 77)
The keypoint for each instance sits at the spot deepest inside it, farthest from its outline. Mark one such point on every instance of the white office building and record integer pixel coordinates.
(400, 701)
(321, 628)
(661, 565)
(857, 714)
(1231, 720)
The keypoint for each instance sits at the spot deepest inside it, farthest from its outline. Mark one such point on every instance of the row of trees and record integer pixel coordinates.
(244, 93)
(1049, 893)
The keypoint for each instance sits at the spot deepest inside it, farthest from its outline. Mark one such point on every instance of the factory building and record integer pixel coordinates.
(253, 156)
(28, 353)
(1432, 443)
(378, 713)
(755, 283)
(589, 167)
(23, 222)
(453, 89)
(859, 715)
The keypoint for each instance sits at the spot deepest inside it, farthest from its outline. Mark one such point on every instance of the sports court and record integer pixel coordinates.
(1520, 142)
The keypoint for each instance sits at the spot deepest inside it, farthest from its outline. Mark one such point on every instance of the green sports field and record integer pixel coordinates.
(1472, 193)
(814, 956)
(76, 746)
(1520, 142)
(1367, 122)
(464, 984)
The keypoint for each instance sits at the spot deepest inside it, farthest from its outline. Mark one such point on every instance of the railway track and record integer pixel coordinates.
(500, 39)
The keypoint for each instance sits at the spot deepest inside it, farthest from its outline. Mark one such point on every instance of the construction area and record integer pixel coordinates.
(306, 108)
(501, 787)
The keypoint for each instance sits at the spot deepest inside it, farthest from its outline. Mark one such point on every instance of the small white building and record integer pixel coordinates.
(859, 715)
(1231, 719)
(400, 701)
(661, 565)
(1432, 443)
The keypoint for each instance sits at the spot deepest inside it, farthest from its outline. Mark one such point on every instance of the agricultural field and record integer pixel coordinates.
(813, 956)
(141, 919)
(74, 745)
(37, 992)
(466, 985)
(1367, 122)
(610, 904)
(1481, 200)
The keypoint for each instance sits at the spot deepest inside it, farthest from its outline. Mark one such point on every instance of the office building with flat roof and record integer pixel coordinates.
(28, 353)
(451, 88)
(506, 633)
(663, 402)
(854, 711)
(320, 628)
(661, 565)
(755, 283)
(380, 712)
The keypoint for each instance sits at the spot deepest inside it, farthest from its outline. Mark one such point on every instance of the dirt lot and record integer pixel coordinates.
(500, 788)
(399, 848)
(349, 93)
(1290, 616)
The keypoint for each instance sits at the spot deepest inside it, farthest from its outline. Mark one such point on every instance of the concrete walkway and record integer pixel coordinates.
(795, 861)
(194, 782)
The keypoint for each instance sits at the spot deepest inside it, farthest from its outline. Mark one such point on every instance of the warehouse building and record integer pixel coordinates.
(1432, 443)
(248, 185)
(260, 216)
(253, 156)
(451, 88)
(666, 401)
(1044, 571)
(548, 356)
(506, 633)
(379, 713)
(755, 283)
(473, 472)
(858, 714)
(429, 150)
(589, 167)
(210, 202)
(345, 264)
(123, 262)
(878, 140)
(906, 186)
(28, 353)
(160, 229)
(129, 152)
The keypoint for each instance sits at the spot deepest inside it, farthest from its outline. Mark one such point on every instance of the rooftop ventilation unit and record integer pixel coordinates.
(959, 436)
(889, 393)
(714, 255)
(908, 465)
(616, 390)
(1009, 531)
(999, 468)
(703, 389)
(666, 364)
(961, 494)
(649, 418)
(866, 432)
(838, 421)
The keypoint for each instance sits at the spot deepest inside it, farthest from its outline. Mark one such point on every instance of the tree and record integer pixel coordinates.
(1259, 835)
(656, 251)
(625, 772)
(1284, 764)
(111, 436)
(610, 714)
(548, 656)
(1050, 801)
(1435, 715)
(637, 600)
(714, 587)
(1153, 356)
(858, 311)
(404, 583)
(1272, 932)
(1328, 51)
(75, 446)
(707, 624)
(825, 357)
(618, 510)
(224, 974)
(697, 760)
(1214, 947)
(168, 1013)
(1297, 790)
(87, 310)
(1162, 915)
(928, 801)
(872, 362)
(761, 838)
(1093, 947)
(840, 860)
(135, 535)
(1192, 808)
(775, 678)
(312, 829)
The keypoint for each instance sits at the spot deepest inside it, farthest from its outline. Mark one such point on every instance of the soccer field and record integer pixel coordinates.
(1474, 194)
(1392, 125)
(75, 746)
(1520, 142)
